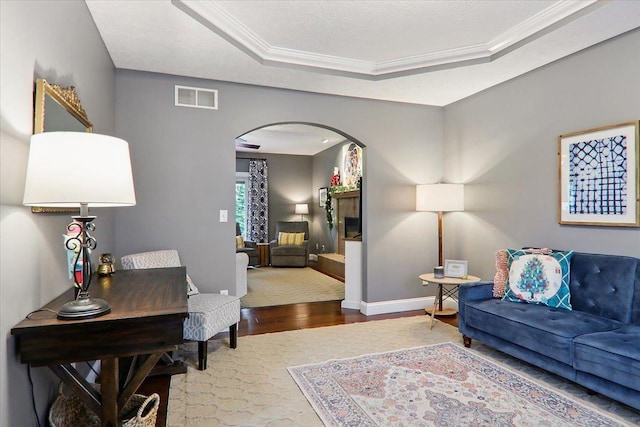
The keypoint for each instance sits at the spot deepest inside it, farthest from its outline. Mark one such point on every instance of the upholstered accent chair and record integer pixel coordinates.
(250, 248)
(286, 254)
(208, 313)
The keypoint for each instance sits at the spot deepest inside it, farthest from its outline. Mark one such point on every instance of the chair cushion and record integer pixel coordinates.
(239, 242)
(289, 251)
(612, 355)
(210, 314)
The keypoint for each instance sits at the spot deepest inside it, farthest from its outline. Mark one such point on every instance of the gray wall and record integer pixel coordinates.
(503, 144)
(289, 183)
(184, 169)
(57, 41)
(323, 164)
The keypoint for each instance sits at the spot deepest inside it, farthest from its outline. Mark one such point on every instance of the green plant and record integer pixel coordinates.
(329, 210)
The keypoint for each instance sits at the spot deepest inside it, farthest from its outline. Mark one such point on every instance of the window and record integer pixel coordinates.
(242, 199)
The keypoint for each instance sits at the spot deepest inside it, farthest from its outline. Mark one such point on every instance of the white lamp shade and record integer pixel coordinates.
(66, 169)
(440, 197)
(302, 208)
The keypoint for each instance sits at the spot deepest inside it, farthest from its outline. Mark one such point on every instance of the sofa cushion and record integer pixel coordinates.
(543, 329)
(604, 285)
(612, 355)
(539, 278)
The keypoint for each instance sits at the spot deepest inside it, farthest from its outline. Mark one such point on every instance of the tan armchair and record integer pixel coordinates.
(290, 255)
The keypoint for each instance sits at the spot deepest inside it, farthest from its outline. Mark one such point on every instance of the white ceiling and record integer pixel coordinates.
(295, 138)
(424, 52)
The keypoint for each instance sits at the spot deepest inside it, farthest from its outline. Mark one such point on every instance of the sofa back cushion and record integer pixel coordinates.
(606, 285)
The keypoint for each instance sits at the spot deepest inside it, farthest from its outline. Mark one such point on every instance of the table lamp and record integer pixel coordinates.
(302, 209)
(440, 198)
(79, 169)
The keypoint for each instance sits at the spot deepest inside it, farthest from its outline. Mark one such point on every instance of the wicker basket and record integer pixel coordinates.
(69, 411)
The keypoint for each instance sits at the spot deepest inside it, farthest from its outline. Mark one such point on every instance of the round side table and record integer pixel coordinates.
(447, 288)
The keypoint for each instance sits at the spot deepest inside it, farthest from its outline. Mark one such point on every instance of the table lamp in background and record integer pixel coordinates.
(302, 209)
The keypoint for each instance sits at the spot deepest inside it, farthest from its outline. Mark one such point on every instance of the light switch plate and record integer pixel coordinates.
(224, 215)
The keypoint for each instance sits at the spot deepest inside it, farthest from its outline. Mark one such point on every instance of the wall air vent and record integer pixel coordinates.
(196, 97)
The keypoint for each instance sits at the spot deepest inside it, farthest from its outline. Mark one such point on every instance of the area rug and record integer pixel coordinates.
(250, 385)
(267, 286)
(435, 385)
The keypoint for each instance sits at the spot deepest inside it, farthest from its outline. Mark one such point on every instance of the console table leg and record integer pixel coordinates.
(109, 391)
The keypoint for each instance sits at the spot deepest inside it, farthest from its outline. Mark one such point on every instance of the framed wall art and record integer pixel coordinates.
(322, 196)
(599, 175)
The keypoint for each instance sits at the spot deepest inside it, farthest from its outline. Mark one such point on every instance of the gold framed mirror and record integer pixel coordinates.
(57, 109)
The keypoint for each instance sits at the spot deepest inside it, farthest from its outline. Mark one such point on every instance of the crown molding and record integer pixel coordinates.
(216, 18)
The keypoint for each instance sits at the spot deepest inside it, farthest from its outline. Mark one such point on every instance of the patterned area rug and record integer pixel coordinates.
(250, 385)
(267, 286)
(435, 385)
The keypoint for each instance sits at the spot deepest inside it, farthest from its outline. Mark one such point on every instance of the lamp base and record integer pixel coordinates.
(84, 308)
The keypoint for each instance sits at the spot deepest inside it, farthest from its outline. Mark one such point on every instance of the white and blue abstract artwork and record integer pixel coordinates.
(599, 176)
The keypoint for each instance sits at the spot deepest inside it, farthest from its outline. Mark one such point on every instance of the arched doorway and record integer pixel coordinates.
(301, 158)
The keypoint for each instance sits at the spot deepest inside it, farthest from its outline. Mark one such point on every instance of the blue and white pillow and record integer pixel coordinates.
(539, 278)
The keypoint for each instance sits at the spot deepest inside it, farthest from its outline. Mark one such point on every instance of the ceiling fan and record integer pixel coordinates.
(242, 143)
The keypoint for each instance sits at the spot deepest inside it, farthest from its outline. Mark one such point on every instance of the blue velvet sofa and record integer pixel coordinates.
(596, 344)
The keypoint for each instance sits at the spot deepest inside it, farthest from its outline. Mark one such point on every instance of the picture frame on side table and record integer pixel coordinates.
(322, 196)
(455, 268)
(599, 174)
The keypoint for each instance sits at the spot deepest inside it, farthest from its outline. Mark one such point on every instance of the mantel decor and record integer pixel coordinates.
(599, 173)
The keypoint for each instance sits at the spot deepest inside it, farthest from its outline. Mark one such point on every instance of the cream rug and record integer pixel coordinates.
(267, 286)
(250, 386)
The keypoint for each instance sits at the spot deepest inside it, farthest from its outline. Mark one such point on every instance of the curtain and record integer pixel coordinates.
(258, 203)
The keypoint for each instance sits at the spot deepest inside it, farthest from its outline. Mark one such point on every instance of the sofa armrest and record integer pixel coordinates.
(250, 244)
(478, 291)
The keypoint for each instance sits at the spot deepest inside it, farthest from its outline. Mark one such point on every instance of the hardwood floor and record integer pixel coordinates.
(281, 318)
(262, 320)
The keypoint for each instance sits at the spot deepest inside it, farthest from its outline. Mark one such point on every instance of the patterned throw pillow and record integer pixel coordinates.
(239, 242)
(502, 273)
(538, 278)
(290, 239)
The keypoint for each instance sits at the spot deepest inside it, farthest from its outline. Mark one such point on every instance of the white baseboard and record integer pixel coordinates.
(395, 306)
(355, 305)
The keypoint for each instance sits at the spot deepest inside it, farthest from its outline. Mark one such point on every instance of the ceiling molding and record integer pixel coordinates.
(216, 18)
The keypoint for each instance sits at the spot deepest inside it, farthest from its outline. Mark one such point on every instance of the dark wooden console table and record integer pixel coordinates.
(148, 308)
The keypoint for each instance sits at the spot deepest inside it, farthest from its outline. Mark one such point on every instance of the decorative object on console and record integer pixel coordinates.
(302, 209)
(538, 278)
(106, 267)
(101, 177)
(440, 198)
(599, 175)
